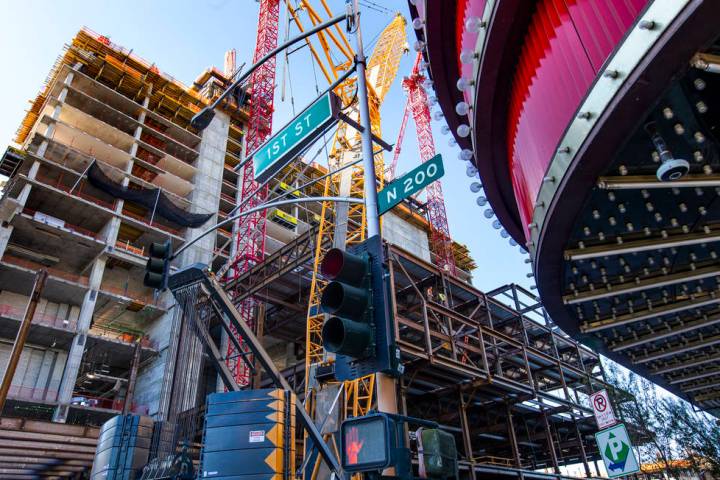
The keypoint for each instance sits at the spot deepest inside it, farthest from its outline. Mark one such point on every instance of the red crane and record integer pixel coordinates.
(417, 105)
(249, 248)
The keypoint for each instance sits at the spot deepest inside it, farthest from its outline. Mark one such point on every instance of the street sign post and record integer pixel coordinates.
(604, 414)
(617, 451)
(410, 183)
(282, 147)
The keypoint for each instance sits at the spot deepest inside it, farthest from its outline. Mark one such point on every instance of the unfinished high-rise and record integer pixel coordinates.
(107, 165)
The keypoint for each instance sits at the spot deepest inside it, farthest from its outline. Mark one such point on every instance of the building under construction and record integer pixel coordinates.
(109, 163)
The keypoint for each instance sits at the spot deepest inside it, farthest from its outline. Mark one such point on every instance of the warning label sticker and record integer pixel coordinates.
(257, 436)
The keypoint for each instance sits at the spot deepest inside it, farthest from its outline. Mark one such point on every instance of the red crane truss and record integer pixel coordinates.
(250, 230)
(440, 242)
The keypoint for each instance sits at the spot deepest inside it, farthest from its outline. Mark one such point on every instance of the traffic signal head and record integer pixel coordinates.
(348, 300)
(367, 443)
(158, 265)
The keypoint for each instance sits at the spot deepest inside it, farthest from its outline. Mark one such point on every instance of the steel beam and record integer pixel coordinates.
(632, 287)
(644, 245)
(652, 312)
(707, 342)
(695, 376)
(700, 386)
(634, 182)
(685, 364)
(659, 335)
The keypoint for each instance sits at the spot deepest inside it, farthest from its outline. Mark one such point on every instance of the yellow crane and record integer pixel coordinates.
(342, 225)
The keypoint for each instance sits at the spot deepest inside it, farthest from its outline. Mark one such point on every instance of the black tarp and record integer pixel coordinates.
(146, 197)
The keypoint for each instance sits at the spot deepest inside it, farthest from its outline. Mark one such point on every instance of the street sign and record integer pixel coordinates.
(617, 451)
(282, 147)
(604, 414)
(410, 183)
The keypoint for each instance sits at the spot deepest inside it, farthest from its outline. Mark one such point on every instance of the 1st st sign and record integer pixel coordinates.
(410, 183)
(284, 146)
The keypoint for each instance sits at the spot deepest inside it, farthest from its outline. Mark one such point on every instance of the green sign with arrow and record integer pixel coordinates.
(617, 451)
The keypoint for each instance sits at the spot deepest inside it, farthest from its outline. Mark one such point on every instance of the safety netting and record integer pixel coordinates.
(153, 198)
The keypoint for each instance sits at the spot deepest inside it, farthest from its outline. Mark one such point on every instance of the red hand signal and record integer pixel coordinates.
(353, 445)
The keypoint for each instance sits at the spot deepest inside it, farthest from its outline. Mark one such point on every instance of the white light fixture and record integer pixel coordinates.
(437, 116)
(488, 213)
(463, 84)
(504, 233)
(444, 129)
(419, 46)
(463, 131)
(475, 187)
(471, 171)
(474, 24)
(418, 23)
(466, 154)
(432, 100)
(468, 57)
(452, 142)
(496, 224)
(462, 108)
(481, 201)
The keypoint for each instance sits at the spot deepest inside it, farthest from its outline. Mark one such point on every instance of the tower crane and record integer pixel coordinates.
(248, 248)
(417, 105)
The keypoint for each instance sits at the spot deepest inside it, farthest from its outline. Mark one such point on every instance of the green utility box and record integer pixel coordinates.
(437, 453)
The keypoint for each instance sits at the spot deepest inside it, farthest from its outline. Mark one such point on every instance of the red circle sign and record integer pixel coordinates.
(600, 403)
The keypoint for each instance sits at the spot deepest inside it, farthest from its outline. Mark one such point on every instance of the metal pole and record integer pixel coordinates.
(371, 211)
(385, 384)
(22, 334)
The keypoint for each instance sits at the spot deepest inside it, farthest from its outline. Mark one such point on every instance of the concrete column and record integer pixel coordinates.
(72, 365)
(204, 198)
(5, 232)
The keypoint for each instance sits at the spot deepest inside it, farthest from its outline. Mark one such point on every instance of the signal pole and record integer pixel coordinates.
(385, 384)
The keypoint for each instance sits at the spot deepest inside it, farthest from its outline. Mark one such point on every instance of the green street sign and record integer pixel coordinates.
(413, 181)
(617, 451)
(305, 128)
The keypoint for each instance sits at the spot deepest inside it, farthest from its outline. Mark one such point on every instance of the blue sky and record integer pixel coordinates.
(183, 37)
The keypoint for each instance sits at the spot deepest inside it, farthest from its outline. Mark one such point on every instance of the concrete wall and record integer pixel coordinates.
(38, 373)
(205, 197)
(60, 315)
(401, 233)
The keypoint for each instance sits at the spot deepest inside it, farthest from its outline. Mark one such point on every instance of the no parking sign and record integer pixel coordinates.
(604, 414)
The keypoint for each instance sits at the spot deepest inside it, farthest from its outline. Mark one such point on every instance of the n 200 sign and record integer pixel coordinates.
(410, 183)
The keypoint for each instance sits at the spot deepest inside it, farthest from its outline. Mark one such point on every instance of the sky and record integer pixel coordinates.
(184, 37)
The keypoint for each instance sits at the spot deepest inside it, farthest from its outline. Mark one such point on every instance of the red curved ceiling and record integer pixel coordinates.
(565, 46)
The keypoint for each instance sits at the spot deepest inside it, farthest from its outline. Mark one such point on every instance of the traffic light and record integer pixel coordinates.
(359, 326)
(348, 299)
(158, 265)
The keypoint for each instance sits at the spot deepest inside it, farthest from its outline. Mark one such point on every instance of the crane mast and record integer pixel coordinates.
(417, 105)
(249, 244)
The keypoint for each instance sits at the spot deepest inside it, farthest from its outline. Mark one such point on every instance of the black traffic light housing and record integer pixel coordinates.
(359, 327)
(158, 265)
